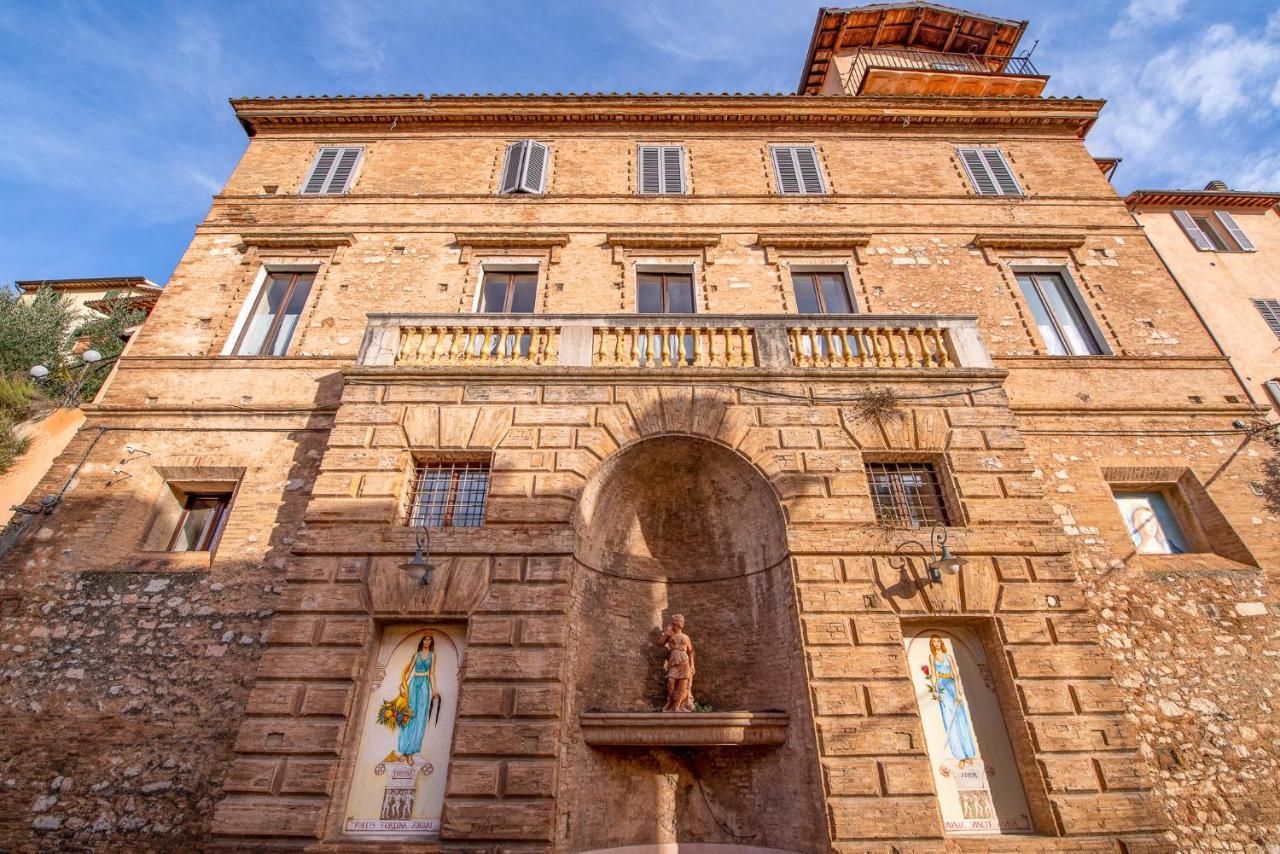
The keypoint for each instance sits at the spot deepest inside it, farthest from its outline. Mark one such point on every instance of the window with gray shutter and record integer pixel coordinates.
(1229, 223)
(524, 167)
(1213, 232)
(796, 170)
(332, 171)
(660, 169)
(1270, 311)
(989, 172)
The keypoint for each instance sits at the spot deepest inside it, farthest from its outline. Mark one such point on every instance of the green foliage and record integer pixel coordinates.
(103, 333)
(35, 332)
(19, 400)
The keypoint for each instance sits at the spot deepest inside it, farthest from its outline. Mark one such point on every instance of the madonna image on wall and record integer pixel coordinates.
(397, 785)
(974, 772)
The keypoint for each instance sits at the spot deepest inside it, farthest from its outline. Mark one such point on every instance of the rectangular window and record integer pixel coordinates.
(524, 167)
(269, 327)
(664, 293)
(1152, 524)
(907, 495)
(509, 292)
(795, 167)
(822, 293)
(1270, 311)
(661, 169)
(449, 494)
(200, 524)
(1059, 316)
(332, 171)
(1213, 231)
(989, 172)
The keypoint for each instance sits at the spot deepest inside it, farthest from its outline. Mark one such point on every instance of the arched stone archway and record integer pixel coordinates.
(679, 524)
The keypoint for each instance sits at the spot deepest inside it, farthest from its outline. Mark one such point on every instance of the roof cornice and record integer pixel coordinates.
(140, 283)
(1227, 199)
(409, 112)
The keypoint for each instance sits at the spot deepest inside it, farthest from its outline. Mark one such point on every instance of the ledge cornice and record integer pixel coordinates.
(662, 240)
(296, 240)
(1029, 241)
(414, 112)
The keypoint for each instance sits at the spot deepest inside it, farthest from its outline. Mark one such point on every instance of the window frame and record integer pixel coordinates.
(450, 508)
(824, 188)
(325, 189)
(510, 272)
(1189, 526)
(256, 294)
(665, 271)
(1212, 230)
(974, 184)
(1073, 291)
(663, 189)
(810, 270)
(947, 508)
(211, 533)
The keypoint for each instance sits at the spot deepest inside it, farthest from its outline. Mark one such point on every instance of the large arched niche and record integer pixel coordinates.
(679, 508)
(678, 524)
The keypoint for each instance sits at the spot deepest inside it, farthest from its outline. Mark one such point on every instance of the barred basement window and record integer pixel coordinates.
(907, 495)
(449, 494)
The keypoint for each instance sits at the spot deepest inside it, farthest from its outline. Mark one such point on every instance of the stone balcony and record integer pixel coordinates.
(672, 342)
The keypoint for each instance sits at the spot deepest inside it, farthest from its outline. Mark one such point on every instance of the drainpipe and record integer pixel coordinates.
(1247, 391)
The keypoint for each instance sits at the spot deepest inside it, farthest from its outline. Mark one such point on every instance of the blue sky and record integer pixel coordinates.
(117, 131)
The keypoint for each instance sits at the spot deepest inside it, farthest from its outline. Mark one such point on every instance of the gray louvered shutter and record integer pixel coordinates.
(673, 169)
(979, 176)
(320, 170)
(810, 174)
(340, 180)
(511, 163)
(1229, 223)
(534, 174)
(650, 174)
(788, 174)
(1006, 184)
(1193, 231)
(1270, 311)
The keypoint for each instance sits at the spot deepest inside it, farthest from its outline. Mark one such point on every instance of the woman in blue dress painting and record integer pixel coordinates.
(955, 711)
(415, 691)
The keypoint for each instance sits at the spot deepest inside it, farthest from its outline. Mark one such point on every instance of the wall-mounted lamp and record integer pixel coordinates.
(419, 568)
(88, 359)
(943, 562)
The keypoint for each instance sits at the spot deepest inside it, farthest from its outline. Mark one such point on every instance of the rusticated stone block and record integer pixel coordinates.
(498, 820)
(510, 739)
(530, 779)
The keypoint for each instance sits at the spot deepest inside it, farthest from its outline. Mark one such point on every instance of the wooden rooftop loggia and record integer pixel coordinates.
(894, 71)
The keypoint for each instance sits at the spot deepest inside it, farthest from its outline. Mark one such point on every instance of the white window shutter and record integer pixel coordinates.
(512, 160)
(650, 174)
(976, 168)
(344, 168)
(673, 169)
(1270, 311)
(320, 170)
(810, 173)
(788, 174)
(1000, 172)
(1229, 223)
(1193, 231)
(534, 174)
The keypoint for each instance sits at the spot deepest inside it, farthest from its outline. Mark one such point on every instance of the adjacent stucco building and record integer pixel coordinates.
(454, 403)
(1223, 248)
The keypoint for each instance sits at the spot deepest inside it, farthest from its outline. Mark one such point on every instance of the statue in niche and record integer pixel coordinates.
(679, 666)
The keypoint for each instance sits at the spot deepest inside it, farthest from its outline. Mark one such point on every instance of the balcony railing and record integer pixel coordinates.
(940, 73)
(673, 342)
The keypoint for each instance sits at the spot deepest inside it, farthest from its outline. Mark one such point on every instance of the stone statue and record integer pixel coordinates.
(679, 666)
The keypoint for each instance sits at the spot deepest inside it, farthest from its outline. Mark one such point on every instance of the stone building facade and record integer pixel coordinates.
(916, 299)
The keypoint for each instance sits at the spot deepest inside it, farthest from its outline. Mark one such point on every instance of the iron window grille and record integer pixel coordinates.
(449, 494)
(907, 495)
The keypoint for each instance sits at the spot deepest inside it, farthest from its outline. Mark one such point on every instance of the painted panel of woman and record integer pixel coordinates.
(955, 711)
(415, 689)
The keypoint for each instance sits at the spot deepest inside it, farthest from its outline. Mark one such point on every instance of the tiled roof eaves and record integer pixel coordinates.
(1197, 198)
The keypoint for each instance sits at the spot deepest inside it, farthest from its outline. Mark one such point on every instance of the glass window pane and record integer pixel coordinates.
(1052, 340)
(1211, 233)
(1152, 526)
(264, 313)
(526, 286)
(680, 294)
(196, 531)
(648, 293)
(293, 311)
(834, 294)
(1069, 316)
(494, 298)
(806, 294)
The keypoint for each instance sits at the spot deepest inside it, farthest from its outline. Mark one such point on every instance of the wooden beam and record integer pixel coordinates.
(991, 42)
(915, 27)
(875, 40)
(955, 28)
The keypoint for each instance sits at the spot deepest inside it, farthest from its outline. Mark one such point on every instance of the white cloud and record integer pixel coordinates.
(1142, 14)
